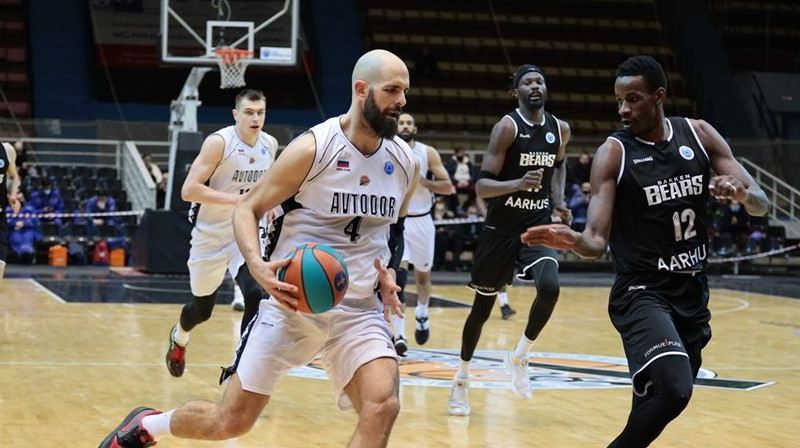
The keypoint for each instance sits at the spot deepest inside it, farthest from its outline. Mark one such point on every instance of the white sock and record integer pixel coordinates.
(421, 310)
(503, 298)
(463, 371)
(523, 347)
(158, 425)
(180, 336)
(399, 326)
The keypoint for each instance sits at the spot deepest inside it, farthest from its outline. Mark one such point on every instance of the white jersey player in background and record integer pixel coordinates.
(420, 233)
(230, 162)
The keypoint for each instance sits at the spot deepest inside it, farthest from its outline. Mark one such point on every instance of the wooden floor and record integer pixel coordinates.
(71, 371)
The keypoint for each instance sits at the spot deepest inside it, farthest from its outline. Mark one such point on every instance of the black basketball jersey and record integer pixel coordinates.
(535, 146)
(659, 221)
(3, 179)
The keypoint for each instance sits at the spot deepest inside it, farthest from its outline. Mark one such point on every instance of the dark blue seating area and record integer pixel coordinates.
(77, 184)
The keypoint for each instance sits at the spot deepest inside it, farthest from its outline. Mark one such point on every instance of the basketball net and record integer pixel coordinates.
(232, 65)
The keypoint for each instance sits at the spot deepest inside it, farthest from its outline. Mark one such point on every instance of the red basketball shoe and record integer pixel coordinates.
(129, 433)
(176, 356)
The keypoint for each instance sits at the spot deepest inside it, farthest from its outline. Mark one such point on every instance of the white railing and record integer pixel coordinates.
(782, 196)
(96, 153)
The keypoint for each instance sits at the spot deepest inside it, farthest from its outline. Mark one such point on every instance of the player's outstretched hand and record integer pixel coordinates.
(557, 236)
(388, 290)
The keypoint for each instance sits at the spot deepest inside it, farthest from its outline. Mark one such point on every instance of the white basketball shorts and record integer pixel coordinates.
(209, 257)
(420, 239)
(280, 339)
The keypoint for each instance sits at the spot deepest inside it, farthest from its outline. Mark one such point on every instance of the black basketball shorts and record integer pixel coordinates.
(496, 258)
(660, 314)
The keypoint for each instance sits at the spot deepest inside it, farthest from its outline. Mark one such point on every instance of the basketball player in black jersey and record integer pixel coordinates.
(8, 171)
(522, 178)
(650, 182)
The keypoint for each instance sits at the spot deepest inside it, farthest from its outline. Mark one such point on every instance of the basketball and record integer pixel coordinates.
(320, 275)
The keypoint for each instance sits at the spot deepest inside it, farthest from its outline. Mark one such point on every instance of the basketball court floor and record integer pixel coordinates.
(79, 348)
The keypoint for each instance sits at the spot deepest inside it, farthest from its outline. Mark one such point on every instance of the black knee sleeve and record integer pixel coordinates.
(670, 382)
(672, 379)
(478, 315)
(197, 311)
(547, 292)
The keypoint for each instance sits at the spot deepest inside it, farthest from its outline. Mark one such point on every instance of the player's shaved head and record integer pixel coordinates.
(377, 65)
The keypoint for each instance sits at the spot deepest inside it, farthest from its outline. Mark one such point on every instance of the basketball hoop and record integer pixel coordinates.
(232, 64)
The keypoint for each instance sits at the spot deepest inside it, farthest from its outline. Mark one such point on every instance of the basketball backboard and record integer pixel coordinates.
(191, 30)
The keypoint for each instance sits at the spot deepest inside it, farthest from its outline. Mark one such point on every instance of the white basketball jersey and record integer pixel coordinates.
(347, 201)
(422, 199)
(241, 166)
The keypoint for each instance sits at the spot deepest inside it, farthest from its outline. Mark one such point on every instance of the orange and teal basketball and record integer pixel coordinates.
(319, 273)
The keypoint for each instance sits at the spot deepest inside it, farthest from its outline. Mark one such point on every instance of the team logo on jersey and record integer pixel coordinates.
(364, 181)
(686, 152)
(263, 151)
(342, 165)
(566, 371)
(550, 137)
(388, 168)
(2, 163)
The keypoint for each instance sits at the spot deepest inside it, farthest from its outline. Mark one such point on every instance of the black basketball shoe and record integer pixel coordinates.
(129, 433)
(423, 330)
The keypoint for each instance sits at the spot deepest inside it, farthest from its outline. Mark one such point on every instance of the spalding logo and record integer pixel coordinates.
(340, 281)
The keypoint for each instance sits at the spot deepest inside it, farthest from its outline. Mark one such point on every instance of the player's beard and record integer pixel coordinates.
(533, 105)
(407, 137)
(385, 127)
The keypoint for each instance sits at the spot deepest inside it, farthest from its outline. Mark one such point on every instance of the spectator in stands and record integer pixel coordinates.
(152, 168)
(463, 175)
(445, 234)
(756, 234)
(161, 190)
(732, 224)
(23, 232)
(158, 176)
(48, 199)
(101, 202)
(577, 173)
(465, 238)
(579, 204)
(738, 222)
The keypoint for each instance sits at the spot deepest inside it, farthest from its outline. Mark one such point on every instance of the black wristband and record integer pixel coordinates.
(483, 174)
